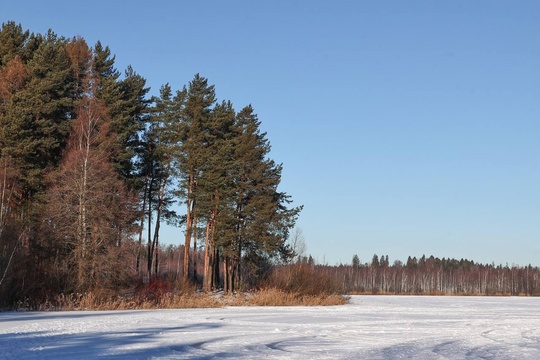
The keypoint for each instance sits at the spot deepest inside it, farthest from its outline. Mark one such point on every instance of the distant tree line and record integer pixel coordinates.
(91, 166)
(430, 275)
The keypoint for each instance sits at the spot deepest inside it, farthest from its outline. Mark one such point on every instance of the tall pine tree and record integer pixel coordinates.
(127, 108)
(160, 167)
(262, 218)
(216, 185)
(200, 97)
(34, 120)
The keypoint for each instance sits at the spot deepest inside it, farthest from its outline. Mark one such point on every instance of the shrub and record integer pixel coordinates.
(302, 279)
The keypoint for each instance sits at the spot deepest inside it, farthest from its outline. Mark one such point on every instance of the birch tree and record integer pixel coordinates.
(88, 208)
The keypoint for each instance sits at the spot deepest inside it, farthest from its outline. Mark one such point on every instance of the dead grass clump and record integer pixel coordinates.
(193, 300)
(277, 297)
(90, 301)
(265, 297)
(302, 279)
(292, 286)
(96, 301)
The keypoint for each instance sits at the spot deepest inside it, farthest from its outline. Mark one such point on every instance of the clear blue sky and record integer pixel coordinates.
(405, 127)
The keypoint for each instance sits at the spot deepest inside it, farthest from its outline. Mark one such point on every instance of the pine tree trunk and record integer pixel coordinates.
(156, 253)
(232, 276)
(150, 255)
(161, 200)
(207, 280)
(155, 244)
(194, 228)
(226, 274)
(149, 245)
(215, 265)
(139, 247)
(189, 223)
(187, 242)
(237, 278)
(209, 247)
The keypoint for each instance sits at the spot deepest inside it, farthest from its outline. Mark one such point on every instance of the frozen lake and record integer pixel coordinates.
(370, 327)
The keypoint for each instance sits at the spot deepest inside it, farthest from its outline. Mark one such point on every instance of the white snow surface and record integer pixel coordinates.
(370, 327)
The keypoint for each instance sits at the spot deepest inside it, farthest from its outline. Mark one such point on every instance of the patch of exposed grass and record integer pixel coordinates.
(169, 300)
(92, 301)
(277, 297)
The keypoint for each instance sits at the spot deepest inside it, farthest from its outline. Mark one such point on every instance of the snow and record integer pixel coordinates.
(370, 327)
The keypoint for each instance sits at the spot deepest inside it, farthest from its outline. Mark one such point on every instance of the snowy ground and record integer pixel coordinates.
(371, 327)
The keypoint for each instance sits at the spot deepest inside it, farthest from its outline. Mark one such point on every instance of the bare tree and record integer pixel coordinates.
(9, 224)
(298, 245)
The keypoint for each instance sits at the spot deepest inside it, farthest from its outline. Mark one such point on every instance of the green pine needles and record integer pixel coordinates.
(91, 166)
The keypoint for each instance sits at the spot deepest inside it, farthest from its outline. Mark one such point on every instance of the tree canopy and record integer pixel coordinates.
(90, 165)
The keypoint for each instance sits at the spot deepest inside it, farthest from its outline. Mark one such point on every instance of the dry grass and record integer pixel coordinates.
(276, 297)
(302, 279)
(91, 301)
(266, 297)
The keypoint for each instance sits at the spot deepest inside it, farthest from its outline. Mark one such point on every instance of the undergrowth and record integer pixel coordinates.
(292, 286)
(170, 300)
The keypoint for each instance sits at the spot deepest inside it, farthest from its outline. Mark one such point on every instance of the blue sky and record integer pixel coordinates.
(404, 127)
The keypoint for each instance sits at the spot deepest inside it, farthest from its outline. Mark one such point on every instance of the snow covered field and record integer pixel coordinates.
(371, 327)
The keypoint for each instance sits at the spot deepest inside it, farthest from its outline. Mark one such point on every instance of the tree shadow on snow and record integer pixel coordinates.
(131, 344)
(452, 349)
(51, 315)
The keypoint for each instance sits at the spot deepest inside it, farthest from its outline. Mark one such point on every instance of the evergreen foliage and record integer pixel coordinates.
(36, 108)
(127, 108)
(88, 162)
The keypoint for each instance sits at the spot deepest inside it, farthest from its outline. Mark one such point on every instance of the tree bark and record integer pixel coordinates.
(189, 222)
(139, 247)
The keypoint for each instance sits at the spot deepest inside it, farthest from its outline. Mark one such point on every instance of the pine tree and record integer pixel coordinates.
(355, 261)
(262, 220)
(200, 97)
(35, 119)
(131, 148)
(15, 42)
(162, 142)
(127, 108)
(128, 124)
(216, 185)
